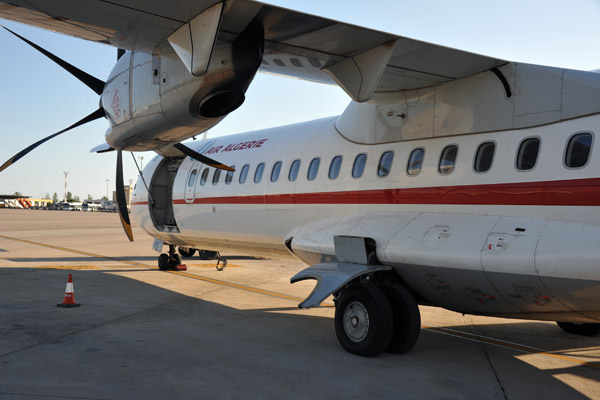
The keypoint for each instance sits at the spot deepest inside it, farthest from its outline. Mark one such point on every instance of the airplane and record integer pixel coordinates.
(452, 179)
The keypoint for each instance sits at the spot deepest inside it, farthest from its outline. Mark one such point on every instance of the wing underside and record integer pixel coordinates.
(296, 44)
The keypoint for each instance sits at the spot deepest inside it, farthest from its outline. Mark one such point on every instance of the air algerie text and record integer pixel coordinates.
(236, 146)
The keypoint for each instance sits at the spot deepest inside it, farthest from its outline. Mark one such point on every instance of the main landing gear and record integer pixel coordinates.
(188, 252)
(371, 319)
(169, 261)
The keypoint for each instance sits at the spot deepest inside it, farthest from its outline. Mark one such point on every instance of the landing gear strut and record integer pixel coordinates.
(371, 319)
(169, 261)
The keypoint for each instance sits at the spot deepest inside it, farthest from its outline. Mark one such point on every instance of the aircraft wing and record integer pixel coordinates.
(362, 61)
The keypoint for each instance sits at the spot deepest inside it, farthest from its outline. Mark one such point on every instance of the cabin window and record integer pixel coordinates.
(313, 168)
(334, 167)
(260, 168)
(448, 159)
(484, 156)
(385, 163)
(275, 171)
(216, 176)
(415, 162)
(204, 177)
(229, 176)
(192, 178)
(578, 150)
(528, 154)
(359, 165)
(244, 173)
(294, 168)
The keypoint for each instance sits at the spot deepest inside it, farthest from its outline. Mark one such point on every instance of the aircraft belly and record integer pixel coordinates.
(476, 264)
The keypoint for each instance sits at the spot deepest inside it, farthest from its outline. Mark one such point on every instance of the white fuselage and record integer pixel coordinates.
(260, 216)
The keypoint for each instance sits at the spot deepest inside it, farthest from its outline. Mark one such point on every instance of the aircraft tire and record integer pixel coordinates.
(364, 320)
(407, 319)
(163, 262)
(585, 329)
(186, 252)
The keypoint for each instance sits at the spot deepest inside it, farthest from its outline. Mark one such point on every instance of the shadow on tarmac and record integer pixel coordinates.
(131, 339)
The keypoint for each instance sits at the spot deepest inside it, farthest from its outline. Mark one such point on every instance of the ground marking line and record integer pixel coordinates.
(187, 275)
(446, 331)
(509, 345)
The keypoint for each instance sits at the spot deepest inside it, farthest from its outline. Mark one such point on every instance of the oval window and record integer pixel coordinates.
(528, 154)
(275, 171)
(260, 168)
(204, 177)
(192, 178)
(578, 150)
(334, 167)
(313, 168)
(385, 163)
(448, 159)
(294, 168)
(216, 176)
(229, 176)
(415, 162)
(244, 173)
(484, 156)
(359, 165)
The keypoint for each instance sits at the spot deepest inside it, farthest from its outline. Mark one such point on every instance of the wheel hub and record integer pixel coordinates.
(356, 321)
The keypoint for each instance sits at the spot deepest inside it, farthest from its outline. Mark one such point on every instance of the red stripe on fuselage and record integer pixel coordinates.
(579, 192)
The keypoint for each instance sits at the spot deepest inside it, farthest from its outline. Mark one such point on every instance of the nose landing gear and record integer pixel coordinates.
(169, 261)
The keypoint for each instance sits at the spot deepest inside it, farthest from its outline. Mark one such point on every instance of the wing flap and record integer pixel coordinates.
(296, 44)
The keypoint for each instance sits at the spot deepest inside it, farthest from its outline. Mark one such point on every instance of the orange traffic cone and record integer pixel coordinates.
(69, 300)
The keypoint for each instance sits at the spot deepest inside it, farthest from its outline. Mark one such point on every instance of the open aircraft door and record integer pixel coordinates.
(190, 186)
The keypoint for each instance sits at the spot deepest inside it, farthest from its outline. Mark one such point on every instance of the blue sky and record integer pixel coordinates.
(38, 98)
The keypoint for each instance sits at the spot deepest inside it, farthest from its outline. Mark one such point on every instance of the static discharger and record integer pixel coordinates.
(69, 300)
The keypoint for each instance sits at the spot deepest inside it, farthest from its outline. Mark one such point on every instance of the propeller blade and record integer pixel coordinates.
(90, 81)
(203, 159)
(123, 213)
(99, 113)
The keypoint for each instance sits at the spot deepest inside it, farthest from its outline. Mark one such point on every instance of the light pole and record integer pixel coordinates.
(66, 174)
(141, 158)
(107, 189)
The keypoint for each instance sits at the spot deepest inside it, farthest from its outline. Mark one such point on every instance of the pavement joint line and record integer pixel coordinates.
(509, 345)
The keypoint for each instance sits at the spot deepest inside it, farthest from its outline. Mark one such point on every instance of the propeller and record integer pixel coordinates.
(98, 87)
(203, 159)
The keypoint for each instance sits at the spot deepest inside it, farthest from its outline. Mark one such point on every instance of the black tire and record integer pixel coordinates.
(163, 262)
(583, 329)
(186, 252)
(407, 319)
(207, 254)
(364, 320)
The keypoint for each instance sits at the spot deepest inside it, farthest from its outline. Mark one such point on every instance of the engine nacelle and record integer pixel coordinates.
(152, 100)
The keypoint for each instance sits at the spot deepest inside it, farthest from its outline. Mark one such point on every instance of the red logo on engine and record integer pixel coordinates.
(116, 100)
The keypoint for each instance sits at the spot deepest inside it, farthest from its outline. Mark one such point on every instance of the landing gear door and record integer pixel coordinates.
(190, 185)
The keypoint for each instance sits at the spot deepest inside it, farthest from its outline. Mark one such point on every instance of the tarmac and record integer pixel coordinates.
(141, 333)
